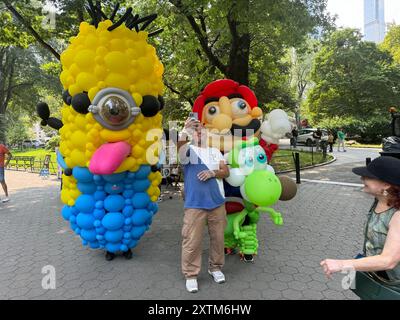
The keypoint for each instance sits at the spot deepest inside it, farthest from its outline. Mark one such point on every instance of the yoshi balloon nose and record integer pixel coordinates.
(222, 122)
(263, 188)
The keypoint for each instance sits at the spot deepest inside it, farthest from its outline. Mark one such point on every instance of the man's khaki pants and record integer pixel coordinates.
(194, 222)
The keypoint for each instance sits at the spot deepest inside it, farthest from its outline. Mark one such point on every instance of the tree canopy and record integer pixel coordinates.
(244, 40)
(391, 42)
(352, 78)
(286, 51)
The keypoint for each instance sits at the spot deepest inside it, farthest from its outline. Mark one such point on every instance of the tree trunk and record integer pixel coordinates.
(7, 65)
(238, 68)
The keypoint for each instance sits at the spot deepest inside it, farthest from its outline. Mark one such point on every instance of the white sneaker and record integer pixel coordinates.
(191, 285)
(218, 276)
(5, 200)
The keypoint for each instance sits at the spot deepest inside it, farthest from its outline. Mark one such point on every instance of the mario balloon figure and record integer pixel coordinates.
(230, 113)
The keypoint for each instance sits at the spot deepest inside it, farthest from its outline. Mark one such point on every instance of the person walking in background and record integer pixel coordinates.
(341, 139)
(317, 135)
(3, 152)
(331, 139)
(293, 139)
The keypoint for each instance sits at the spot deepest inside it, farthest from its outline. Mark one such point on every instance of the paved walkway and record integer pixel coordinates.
(325, 221)
(340, 170)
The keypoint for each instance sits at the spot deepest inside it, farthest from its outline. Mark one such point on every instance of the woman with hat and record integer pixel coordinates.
(381, 180)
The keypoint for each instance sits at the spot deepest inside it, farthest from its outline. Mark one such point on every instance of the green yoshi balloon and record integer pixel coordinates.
(260, 189)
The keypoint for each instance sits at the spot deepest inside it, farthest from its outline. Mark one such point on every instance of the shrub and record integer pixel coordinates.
(363, 131)
(53, 143)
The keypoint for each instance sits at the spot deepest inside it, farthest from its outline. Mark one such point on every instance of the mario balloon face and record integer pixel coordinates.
(229, 111)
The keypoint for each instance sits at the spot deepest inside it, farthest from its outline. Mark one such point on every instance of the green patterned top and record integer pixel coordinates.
(376, 231)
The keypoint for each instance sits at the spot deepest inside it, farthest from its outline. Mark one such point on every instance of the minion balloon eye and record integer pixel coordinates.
(114, 108)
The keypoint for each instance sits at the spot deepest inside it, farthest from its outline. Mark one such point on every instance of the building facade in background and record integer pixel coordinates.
(374, 20)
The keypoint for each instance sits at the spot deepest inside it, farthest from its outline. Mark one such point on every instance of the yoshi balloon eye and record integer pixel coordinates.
(249, 162)
(262, 158)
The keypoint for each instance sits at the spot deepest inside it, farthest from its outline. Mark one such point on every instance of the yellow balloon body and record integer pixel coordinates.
(96, 59)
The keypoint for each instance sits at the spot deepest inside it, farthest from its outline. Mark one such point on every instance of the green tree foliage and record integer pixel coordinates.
(242, 40)
(371, 130)
(53, 143)
(203, 40)
(352, 78)
(25, 64)
(392, 42)
(17, 131)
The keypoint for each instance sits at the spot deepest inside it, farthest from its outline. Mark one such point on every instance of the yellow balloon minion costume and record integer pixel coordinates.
(110, 130)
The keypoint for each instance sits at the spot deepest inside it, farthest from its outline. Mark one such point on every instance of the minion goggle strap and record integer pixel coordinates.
(114, 108)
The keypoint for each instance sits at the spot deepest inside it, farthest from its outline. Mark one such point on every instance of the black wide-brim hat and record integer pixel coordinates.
(384, 168)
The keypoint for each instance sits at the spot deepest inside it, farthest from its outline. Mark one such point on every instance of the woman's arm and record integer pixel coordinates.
(387, 260)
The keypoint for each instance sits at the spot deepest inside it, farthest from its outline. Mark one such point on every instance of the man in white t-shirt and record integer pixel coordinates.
(204, 168)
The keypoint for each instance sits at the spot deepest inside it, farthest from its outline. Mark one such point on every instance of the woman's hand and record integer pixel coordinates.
(331, 266)
(205, 175)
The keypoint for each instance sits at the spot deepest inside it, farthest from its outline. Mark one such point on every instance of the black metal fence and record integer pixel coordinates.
(33, 164)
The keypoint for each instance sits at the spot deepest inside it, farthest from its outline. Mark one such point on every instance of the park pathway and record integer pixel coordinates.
(339, 171)
(323, 221)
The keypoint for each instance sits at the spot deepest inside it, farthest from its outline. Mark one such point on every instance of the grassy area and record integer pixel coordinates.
(283, 159)
(39, 155)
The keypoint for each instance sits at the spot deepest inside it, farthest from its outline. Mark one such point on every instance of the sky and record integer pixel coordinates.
(351, 12)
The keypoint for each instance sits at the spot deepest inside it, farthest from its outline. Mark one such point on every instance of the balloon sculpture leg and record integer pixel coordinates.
(235, 220)
(243, 237)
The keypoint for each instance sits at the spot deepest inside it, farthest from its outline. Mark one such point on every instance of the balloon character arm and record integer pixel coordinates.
(237, 221)
(61, 161)
(63, 165)
(276, 217)
(236, 177)
(43, 112)
(275, 127)
(269, 148)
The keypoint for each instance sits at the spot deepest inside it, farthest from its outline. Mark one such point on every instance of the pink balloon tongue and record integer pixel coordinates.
(109, 157)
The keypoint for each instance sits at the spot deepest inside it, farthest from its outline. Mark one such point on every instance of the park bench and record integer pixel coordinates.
(24, 162)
